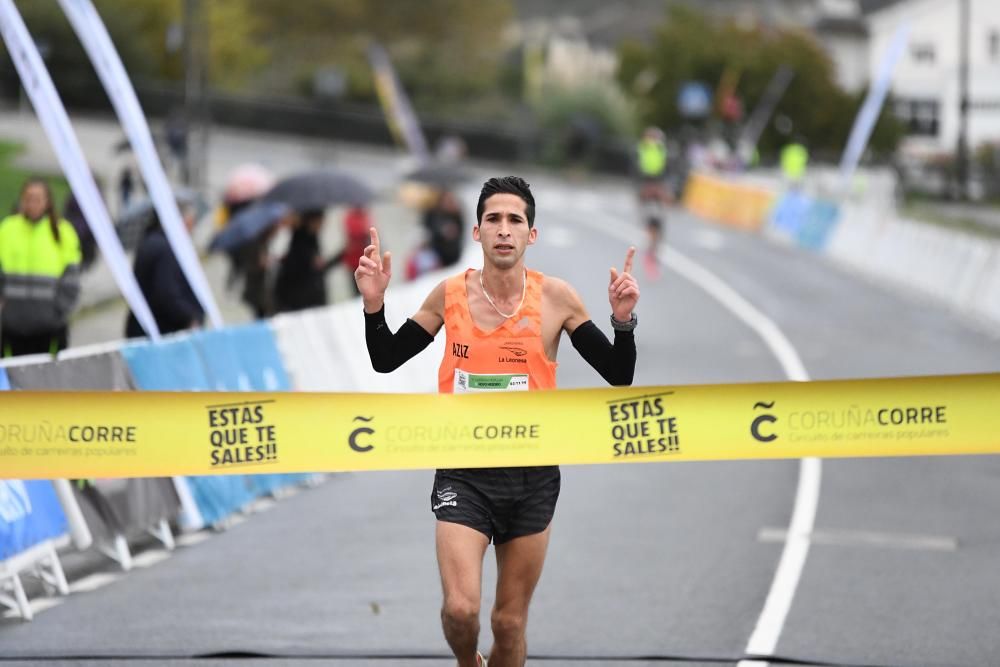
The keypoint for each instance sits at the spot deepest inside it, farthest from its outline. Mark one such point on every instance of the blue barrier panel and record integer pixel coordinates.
(821, 218)
(218, 351)
(218, 496)
(30, 513)
(257, 350)
(789, 214)
(176, 365)
(806, 221)
(172, 365)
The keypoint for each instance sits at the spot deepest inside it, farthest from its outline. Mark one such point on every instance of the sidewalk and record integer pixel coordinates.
(985, 218)
(102, 312)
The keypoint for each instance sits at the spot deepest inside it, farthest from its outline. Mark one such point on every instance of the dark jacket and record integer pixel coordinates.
(444, 232)
(300, 284)
(162, 282)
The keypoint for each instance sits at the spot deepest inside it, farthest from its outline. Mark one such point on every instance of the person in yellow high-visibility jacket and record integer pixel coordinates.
(794, 160)
(39, 275)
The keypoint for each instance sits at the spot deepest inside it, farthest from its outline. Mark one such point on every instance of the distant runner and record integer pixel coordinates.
(654, 193)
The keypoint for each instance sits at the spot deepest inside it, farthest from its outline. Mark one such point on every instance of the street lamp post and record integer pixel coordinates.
(195, 107)
(962, 151)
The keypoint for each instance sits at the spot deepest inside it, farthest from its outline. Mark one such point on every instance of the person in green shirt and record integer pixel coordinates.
(39, 275)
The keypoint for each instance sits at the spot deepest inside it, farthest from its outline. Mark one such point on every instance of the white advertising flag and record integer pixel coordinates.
(96, 41)
(865, 121)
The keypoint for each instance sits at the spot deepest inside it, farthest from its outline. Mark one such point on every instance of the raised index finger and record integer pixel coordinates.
(375, 242)
(628, 259)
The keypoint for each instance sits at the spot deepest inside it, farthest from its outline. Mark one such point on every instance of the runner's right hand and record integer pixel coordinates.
(373, 273)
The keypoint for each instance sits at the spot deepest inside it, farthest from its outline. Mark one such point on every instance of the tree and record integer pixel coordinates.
(690, 46)
(443, 50)
(141, 34)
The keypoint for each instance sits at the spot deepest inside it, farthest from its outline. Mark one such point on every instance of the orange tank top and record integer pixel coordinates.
(509, 358)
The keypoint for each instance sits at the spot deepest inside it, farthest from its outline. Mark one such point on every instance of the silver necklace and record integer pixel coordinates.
(524, 290)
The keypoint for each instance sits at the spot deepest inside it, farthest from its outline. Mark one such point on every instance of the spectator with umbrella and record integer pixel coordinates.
(245, 185)
(301, 280)
(248, 236)
(442, 218)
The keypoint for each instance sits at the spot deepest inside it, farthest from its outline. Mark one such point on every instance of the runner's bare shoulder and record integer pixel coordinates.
(564, 302)
(559, 293)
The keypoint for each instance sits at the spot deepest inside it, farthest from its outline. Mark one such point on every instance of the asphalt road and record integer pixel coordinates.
(648, 562)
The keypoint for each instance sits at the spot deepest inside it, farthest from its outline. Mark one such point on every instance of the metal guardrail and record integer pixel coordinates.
(332, 120)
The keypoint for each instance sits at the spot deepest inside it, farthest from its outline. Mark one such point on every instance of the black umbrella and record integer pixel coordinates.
(438, 174)
(248, 224)
(316, 190)
(137, 215)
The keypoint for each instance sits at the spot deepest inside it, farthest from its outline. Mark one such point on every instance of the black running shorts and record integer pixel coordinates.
(501, 503)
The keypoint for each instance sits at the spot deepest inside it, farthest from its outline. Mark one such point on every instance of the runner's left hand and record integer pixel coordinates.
(623, 290)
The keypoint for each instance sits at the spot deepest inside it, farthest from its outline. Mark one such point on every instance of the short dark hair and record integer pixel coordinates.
(514, 185)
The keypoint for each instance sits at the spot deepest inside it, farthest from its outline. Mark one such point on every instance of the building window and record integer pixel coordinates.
(993, 44)
(920, 116)
(923, 53)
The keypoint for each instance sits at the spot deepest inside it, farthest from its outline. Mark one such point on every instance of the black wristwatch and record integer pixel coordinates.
(624, 326)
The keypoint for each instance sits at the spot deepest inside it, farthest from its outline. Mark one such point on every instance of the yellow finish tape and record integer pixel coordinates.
(49, 435)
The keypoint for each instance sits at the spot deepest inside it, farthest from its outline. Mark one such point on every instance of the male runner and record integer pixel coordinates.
(504, 321)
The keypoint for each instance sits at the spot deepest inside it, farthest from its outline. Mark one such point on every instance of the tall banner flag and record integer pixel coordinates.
(754, 127)
(865, 121)
(96, 41)
(52, 115)
(398, 113)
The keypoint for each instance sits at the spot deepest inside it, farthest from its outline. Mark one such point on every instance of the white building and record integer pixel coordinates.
(838, 26)
(925, 84)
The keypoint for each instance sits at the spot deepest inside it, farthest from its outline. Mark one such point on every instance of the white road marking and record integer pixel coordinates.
(764, 639)
(37, 605)
(150, 558)
(864, 538)
(709, 239)
(739, 306)
(191, 539)
(93, 582)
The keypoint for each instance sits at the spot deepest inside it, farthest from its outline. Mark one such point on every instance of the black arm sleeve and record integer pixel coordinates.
(389, 351)
(615, 363)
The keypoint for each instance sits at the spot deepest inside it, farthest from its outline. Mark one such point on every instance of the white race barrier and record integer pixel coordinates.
(952, 267)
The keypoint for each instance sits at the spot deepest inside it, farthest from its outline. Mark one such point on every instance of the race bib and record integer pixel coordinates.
(469, 382)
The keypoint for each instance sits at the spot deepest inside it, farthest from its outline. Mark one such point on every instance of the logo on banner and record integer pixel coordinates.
(353, 438)
(757, 429)
(640, 426)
